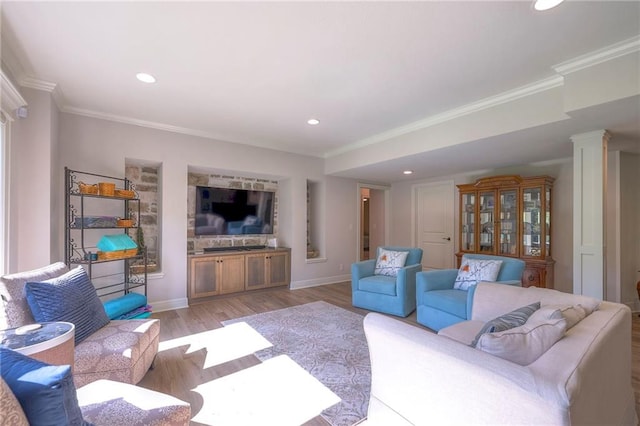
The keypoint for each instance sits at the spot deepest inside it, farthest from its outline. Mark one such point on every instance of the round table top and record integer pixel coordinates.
(35, 338)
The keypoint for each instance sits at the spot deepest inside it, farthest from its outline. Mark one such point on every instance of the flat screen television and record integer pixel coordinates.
(228, 211)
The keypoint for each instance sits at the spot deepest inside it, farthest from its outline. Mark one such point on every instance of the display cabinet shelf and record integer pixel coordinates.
(509, 216)
(114, 275)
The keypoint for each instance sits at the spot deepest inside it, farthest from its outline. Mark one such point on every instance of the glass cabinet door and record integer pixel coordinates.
(547, 215)
(532, 222)
(486, 222)
(467, 236)
(508, 222)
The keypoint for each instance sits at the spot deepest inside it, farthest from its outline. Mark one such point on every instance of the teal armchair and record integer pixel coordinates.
(440, 305)
(381, 293)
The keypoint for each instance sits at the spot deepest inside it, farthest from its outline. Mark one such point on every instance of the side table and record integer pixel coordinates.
(50, 342)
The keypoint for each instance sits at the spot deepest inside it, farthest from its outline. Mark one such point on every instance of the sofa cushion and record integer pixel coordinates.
(463, 332)
(45, 392)
(573, 314)
(472, 271)
(491, 299)
(389, 261)
(451, 301)
(524, 344)
(11, 412)
(122, 350)
(70, 297)
(380, 284)
(512, 319)
(16, 312)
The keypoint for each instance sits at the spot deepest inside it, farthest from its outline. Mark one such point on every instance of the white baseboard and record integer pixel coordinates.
(168, 305)
(295, 285)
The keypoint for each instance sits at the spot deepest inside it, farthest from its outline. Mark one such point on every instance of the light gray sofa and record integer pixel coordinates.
(419, 377)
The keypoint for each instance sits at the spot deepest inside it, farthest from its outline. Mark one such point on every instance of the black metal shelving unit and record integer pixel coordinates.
(109, 276)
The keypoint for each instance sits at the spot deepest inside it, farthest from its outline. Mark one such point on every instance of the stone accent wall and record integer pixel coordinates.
(200, 242)
(145, 183)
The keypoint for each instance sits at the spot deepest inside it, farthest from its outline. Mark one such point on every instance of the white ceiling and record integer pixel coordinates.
(254, 72)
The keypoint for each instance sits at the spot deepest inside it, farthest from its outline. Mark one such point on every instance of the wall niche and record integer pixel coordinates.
(200, 242)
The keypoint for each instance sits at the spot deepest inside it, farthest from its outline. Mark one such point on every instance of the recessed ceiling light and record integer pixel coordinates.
(546, 4)
(313, 121)
(407, 172)
(145, 78)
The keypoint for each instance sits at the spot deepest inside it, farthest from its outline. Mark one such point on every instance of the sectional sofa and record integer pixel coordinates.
(419, 377)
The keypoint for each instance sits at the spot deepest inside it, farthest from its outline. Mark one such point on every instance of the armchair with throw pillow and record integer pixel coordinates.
(121, 350)
(444, 297)
(388, 283)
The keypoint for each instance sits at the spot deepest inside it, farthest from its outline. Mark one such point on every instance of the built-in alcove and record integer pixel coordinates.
(315, 236)
(145, 178)
(226, 180)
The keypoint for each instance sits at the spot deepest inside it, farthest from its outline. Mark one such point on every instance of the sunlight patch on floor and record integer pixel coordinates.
(276, 392)
(222, 344)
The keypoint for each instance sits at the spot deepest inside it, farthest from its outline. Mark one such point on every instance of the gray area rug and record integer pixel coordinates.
(329, 343)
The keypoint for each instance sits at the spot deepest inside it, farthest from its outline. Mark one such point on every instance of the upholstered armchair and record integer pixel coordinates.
(395, 295)
(440, 304)
(120, 350)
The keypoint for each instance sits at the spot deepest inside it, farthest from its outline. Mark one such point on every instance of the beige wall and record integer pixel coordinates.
(33, 215)
(47, 141)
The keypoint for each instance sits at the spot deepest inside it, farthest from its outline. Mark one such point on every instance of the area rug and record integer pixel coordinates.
(275, 392)
(329, 343)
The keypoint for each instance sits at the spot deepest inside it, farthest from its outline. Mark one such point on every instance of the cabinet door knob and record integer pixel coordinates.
(446, 238)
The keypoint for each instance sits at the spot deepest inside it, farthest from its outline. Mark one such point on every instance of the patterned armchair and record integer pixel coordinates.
(395, 295)
(122, 350)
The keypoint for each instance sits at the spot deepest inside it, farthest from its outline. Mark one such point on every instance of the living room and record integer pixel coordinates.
(525, 128)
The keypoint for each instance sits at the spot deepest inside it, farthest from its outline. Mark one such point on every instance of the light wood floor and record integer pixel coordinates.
(176, 372)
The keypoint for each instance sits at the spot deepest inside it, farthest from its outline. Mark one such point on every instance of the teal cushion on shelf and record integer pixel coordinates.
(121, 305)
(45, 392)
(70, 297)
(116, 242)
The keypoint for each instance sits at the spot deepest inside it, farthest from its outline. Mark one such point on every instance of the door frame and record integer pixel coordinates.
(387, 197)
(414, 189)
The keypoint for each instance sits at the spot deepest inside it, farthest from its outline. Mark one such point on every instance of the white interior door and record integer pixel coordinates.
(434, 223)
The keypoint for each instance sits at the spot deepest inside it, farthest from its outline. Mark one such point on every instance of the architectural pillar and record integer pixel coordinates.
(589, 183)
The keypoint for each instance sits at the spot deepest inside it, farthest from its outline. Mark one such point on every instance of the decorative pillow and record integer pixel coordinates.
(11, 412)
(524, 344)
(572, 313)
(389, 262)
(472, 271)
(16, 311)
(507, 321)
(45, 392)
(70, 297)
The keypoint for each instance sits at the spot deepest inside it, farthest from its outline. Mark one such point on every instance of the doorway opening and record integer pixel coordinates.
(372, 219)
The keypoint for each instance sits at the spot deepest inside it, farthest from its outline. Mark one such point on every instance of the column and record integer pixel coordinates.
(589, 183)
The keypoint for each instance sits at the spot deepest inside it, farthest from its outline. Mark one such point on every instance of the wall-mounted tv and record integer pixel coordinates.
(228, 211)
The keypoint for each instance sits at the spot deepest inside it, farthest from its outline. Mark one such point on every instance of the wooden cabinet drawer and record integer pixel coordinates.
(532, 277)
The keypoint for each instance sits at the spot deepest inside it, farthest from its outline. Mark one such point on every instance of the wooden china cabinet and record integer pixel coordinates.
(509, 216)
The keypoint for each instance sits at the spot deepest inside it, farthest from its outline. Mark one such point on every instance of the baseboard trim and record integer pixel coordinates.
(295, 285)
(168, 305)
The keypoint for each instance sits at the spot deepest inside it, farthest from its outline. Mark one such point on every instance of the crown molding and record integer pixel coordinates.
(141, 123)
(483, 104)
(608, 53)
(11, 97)
(47, 86)
(35, 83)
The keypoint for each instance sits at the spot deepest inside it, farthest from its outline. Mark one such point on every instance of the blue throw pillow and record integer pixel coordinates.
(507, 321)
(45, 392)
(70, 297)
